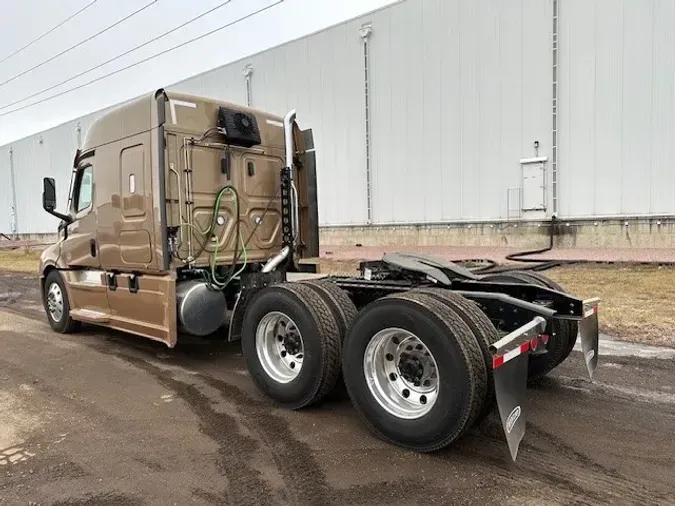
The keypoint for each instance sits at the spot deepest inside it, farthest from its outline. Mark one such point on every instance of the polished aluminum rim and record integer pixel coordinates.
(55, 302)
(401, 373)
(279, 346)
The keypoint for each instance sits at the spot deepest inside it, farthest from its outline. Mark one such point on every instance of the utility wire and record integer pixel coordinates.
(143, 60)
(48, 32)
(117, 57)
(79, 43)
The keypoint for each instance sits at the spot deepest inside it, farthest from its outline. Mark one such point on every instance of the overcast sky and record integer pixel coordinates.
(39, 66)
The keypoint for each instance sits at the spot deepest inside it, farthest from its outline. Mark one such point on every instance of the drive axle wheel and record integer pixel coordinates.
(564, 336)
(291, 343)
(401, 373)
(279, 346)
(481, 327)
(57, 304)
(413, 371)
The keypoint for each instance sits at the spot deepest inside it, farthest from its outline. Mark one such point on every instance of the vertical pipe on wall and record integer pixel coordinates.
(554, 145)
(248, 71)
(12, 183)
(78, 130)
(365, 32)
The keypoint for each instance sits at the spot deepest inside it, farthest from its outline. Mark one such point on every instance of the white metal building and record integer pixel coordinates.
(441, 111)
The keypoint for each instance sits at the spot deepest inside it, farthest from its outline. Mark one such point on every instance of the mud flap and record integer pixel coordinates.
(509, 363)
(590, 335)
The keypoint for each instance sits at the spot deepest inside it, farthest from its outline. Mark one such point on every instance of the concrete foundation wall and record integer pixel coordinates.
(609, 234)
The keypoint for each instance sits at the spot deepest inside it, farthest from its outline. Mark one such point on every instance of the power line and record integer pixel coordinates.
(48, 32)
(79, 43)
(144, 60)
(117, 57)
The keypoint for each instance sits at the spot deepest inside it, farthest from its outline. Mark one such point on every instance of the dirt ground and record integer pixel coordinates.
(102, 418)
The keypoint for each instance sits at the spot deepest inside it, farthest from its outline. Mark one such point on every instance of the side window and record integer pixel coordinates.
(84, 189)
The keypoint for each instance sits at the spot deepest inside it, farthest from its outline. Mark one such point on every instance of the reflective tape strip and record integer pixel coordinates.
(591, 312)
(502, 359)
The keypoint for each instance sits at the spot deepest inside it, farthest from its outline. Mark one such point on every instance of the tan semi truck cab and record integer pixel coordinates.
(171, 197)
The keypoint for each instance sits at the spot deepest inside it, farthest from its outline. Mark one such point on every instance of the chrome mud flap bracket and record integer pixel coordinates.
(509, 364)
(589, 332)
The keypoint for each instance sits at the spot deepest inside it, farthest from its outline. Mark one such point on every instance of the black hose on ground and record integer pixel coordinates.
(542, 264)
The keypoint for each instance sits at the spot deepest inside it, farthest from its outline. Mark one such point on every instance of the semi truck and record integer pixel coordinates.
(188, 215)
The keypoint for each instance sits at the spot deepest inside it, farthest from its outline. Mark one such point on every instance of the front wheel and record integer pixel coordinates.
(57, 304)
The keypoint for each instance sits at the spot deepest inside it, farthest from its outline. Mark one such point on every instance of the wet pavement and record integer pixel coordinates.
(103, 418)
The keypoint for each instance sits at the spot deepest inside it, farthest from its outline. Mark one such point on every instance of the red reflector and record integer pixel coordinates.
(544, 338)
(497, 361)
(524, 347)
(533, 343)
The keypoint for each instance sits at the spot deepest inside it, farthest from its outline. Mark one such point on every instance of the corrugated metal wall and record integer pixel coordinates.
(5, 192)
(461, 90)
(617, 107)
(459, 93)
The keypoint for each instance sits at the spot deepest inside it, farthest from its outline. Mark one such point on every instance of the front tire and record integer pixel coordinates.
(57, 305)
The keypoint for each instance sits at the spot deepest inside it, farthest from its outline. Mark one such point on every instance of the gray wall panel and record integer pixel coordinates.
(461, 90)
(5, 192)
(617, 104)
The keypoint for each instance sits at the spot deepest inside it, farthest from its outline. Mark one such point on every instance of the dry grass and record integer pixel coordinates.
(637, 302)
(20, 260)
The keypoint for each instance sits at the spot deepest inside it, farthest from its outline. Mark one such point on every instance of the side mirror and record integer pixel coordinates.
(49, 200)
(48, 194)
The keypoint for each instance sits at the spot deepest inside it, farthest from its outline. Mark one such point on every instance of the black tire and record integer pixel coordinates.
(341, 305)
(572, 326)
(321, 340)
(344, 312)
(539, 365)
(461, 371)
(65, 324)
(484, 331)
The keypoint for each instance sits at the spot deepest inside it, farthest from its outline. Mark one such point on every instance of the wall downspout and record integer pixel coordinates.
(248, 71)
(554, 145)
(12, 182)
(365, 32)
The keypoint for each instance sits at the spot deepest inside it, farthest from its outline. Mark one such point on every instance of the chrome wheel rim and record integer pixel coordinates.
(55, 302)
(280, 348)
(401, 373)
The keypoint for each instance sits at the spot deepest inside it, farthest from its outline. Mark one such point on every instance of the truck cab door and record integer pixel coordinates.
(80, 251)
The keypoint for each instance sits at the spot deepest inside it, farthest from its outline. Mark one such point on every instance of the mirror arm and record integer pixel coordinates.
(67, 219)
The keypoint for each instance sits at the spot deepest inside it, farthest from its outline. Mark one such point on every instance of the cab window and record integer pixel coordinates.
(83, 189)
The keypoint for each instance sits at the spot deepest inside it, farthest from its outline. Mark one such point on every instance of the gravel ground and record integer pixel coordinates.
(103, 418)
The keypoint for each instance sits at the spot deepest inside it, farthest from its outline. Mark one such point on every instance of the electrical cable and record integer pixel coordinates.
(178, 46)
(48, 32)
(129, 16)
(223, 4)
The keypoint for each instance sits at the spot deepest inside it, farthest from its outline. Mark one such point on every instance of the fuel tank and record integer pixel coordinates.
(201, 309)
